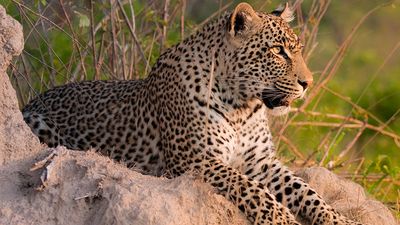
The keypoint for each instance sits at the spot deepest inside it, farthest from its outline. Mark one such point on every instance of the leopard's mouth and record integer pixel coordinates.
(275, 102)
(273, 97)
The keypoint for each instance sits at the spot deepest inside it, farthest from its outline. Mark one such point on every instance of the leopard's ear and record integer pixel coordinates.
(285, 12)
(242, 19)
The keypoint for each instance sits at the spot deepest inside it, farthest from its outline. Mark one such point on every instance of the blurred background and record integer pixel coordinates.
(349, 121)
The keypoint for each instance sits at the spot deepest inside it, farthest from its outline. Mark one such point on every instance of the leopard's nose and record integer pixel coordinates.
(305, 83)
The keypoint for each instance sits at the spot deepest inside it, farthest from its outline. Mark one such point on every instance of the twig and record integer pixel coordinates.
(93, 44)
(126, 19)
(395, 137)
(211, 17)
(114, 41)
(292, 147)
(82, 61)
(164, 24)
(183, 19)
(351, 144)
(331, 67)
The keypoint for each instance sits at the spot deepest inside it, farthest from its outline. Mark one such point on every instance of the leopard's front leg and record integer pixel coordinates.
(188, 144)
(248, 195)
(292, 191)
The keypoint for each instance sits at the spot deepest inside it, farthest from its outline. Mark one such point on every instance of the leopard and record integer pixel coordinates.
(204, 108)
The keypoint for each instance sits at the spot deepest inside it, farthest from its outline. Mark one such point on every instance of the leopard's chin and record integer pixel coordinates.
(279, 111)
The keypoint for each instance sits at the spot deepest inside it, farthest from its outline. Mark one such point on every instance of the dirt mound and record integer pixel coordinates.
(16, 139)
(347, 197)
(86, 188)
(71, 187)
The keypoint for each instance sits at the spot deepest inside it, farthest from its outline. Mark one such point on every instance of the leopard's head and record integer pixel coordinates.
(266, 59)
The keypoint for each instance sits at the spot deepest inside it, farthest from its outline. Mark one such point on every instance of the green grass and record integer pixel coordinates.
(349, 122)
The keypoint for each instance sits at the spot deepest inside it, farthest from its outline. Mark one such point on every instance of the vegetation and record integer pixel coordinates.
(349, 122)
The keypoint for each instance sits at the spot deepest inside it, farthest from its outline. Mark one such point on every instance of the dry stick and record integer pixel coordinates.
(18, 88)
(350, 145)
(361, 109)
(370, 177)
(356, 123)
(352, 126)
(122, 48)
(101, 57)
(85, 52)
(398, 200)
(28, 19)
(263, 5)
(326, 154)
(337, 59)
(150, 51)
(336, 66)
(397, 141)
(321, 144)
(164, 25)
(92, 35)
(374, 76)
(146, 6)
(183, 19)
(45, 18)
(133, 48)
(42, 83)
(292, 147)
(313, 36)
(360, 164)
(34, 69)
(397, 46)
(174, 13)
(211, 17)
(132, 70)
(114, 39)
(170, 19)
(22, 75)
(328, 115)
(300, 21)
(22, 13)
(123, 52)
(37, 59)
(126, 19)
(167, 20)
(74, 36)
(210, 83)
(104, 66)
(382, 124)
(70, 64)
(45, 34)
(324, 141)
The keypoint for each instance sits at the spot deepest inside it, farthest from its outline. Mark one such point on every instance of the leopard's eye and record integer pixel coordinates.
(280, 51)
